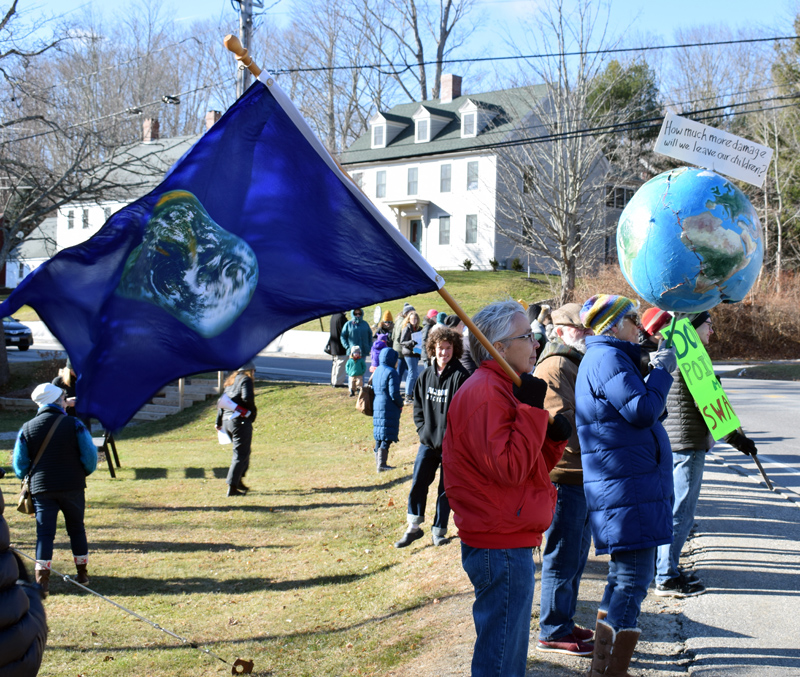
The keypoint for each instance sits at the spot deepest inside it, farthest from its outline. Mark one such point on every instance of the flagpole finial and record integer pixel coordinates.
(233, 44)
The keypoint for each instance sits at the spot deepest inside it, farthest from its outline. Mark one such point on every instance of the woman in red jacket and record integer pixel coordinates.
(497, 456)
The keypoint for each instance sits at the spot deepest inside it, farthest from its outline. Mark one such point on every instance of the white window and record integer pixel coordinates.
(106, 213)
(380, 187)
(472, 229)
(422, 130)
(358, 179)
(472, 175)
(70, 218)
(444, 230)
(527, 229)
(412, 180)
(527, 179)
(85, 218)
(468, 124)
(21, 271)
(618, 197)
(377, 136)
(444, 178)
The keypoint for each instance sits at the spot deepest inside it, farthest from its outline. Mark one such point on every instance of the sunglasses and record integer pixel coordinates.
(633, 317)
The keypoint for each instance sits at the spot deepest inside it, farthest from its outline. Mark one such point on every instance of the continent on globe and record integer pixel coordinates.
(688, 240)
(191, 267)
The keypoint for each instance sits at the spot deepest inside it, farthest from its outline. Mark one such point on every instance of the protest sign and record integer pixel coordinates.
(704, 146)
(698, 373)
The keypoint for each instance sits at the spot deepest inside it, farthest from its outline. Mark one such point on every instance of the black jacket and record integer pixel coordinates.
(240, 391)
(23, 626)
(432, 397)
(684, 424)
(338, 321)
(407, 343)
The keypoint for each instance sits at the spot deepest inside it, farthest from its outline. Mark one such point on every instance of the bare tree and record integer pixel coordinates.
(416, 35)
(552, 200)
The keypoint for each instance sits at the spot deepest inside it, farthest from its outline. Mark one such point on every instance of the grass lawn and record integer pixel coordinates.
(299, 576)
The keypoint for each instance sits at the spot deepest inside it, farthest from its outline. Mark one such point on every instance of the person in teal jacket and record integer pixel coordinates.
(355, 368)
(356, 332)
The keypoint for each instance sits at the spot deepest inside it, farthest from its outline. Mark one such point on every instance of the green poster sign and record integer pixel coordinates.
(697, 372)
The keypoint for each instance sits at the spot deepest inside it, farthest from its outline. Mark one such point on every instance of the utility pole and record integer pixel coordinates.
(245, 35)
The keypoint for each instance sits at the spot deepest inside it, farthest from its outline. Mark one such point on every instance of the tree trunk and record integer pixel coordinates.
(5, 372)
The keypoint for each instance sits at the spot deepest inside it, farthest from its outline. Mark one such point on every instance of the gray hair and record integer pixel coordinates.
(494, 321)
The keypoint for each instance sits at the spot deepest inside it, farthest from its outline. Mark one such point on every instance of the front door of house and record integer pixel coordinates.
(415, 232)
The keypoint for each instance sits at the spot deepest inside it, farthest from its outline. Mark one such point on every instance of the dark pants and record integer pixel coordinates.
(425, 467)
(73, 505)
(240, 431)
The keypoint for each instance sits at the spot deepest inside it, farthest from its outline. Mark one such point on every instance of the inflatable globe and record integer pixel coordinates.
(688, 240)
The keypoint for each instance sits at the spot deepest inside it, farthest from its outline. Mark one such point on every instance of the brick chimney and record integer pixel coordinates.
(150, 130)
(450, 87)
(211, 117)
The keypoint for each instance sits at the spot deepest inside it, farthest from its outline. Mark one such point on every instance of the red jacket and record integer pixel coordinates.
(496, 464)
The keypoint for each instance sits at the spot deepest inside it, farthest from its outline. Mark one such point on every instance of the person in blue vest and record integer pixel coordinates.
(58, 479)
(627, 468)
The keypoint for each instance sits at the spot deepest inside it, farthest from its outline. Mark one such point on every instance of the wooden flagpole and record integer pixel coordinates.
(233, 44)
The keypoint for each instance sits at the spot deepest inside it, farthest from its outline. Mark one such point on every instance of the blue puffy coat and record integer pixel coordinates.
(387, 405)
(627, 460)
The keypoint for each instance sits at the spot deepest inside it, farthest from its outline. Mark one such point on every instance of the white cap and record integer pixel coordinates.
(46, 393)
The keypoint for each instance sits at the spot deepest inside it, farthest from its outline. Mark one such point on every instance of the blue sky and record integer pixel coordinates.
(643, 16)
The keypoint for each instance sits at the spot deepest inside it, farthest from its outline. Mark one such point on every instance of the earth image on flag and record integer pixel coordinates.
(191, 267)
(688, 240)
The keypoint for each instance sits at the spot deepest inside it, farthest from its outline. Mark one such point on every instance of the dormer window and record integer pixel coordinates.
(468, 125)
(429, 122)
(475, 117)
(385, 127)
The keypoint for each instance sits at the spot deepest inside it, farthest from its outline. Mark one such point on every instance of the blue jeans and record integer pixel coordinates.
(401, 369)
(563, 558)
(687, 477)
(73, 505)
(428, 461)
(411, 377)
(629, 575)
(503, 582)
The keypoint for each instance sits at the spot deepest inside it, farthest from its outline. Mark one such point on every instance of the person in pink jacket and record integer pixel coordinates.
(498, 451)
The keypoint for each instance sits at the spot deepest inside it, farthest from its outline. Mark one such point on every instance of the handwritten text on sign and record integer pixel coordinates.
(698, 374)
(705, 146)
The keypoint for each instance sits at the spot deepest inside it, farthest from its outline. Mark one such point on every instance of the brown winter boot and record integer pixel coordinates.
(82, 577)
(612, 651)
(43, 578)
(622, 652)
(601, 615)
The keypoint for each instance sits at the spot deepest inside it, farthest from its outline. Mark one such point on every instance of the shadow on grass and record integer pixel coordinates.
(195, 473)
(144, 547)
(136, 586)
(357, 488)
(239, 506)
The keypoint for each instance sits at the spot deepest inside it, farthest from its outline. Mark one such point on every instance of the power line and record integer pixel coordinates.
(611, 50)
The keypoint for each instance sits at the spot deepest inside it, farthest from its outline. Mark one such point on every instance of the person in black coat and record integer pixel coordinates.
(238, 424)
(23, 625)
(338, 352)
(433, 393)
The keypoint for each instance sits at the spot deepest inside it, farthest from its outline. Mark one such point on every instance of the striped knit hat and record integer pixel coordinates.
(604, 311)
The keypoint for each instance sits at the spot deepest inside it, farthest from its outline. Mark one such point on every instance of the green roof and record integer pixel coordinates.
(510, 105)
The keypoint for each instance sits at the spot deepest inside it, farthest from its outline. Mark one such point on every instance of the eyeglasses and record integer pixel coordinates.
(529, 336)
(633, 317)
(358, 314)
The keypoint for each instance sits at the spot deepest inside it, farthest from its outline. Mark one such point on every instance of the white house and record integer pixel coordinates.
(33, 251)
(432, 168)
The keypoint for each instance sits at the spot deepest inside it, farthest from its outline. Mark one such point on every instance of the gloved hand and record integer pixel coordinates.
(741, 442)
(560, 429)
(532, 390)
(664, 358)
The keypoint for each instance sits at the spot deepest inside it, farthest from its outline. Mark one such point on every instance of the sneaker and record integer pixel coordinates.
(439, 540)
(690, 576)
(568, 644)
(409, 537)
(679, 587)
(583, 634)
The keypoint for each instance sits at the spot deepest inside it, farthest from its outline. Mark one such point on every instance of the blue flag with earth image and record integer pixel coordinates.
(254, 231)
